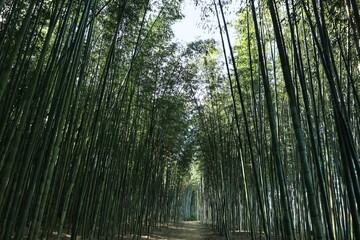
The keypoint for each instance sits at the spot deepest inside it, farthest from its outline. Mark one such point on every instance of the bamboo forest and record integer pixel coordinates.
(110, 128)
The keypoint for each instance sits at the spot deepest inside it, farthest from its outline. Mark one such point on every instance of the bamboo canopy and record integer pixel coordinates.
(110, 128)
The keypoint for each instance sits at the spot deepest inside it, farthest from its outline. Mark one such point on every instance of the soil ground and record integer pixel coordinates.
(185, 230)
(192, 230)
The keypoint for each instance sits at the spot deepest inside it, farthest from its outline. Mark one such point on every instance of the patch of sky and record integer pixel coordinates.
(199, 22)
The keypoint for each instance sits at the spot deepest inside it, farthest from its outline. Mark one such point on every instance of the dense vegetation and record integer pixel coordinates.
(104, 118)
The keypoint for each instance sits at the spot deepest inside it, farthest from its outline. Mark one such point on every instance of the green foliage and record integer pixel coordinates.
(192, 218)
(105, 121)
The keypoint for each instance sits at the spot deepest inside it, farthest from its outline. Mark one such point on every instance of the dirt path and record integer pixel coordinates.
(186, 230)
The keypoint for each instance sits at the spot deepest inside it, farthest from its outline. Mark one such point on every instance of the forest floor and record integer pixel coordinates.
(191, 230)
(185, 230)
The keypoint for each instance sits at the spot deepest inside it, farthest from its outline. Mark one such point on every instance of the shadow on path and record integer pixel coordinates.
(186, 230)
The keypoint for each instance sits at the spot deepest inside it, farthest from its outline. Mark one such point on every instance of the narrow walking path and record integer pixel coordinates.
(186, 230)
